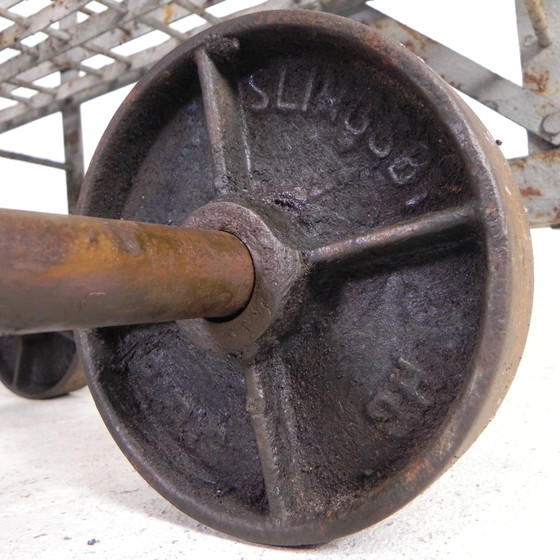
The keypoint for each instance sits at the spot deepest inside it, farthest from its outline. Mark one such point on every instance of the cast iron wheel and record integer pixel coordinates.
(40, 366)
(393, 277)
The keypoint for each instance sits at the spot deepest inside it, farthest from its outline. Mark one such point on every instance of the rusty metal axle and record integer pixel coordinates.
(67, 272)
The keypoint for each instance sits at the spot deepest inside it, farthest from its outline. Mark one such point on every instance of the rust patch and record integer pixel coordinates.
(168, 14)
(518, 164)
(414, 471)
(417, 43)
(537, 82)
(550, 156)
(531, 191)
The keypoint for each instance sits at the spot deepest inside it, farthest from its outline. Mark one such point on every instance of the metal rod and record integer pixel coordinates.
(72, 132)
(538, 19)
(32, 159)
(69, 272)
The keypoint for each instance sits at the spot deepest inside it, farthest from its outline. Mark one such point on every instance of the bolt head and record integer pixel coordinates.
(551, 123)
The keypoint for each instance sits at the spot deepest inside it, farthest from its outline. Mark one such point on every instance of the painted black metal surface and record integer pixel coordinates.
(389, 248)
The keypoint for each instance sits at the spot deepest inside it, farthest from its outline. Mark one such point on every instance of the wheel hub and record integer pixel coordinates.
(278, 269)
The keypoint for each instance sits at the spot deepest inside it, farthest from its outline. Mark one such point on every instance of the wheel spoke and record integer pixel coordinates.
(268, 403)
(434, 227)
(67, 334)
(18, 366)
(226, 129)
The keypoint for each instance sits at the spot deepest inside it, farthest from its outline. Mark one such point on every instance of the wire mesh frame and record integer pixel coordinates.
(99, 46)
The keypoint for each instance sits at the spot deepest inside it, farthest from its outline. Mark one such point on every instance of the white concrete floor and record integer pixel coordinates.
(63, 482)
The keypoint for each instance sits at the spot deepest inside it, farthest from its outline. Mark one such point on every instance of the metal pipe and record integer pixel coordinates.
(70, 272)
